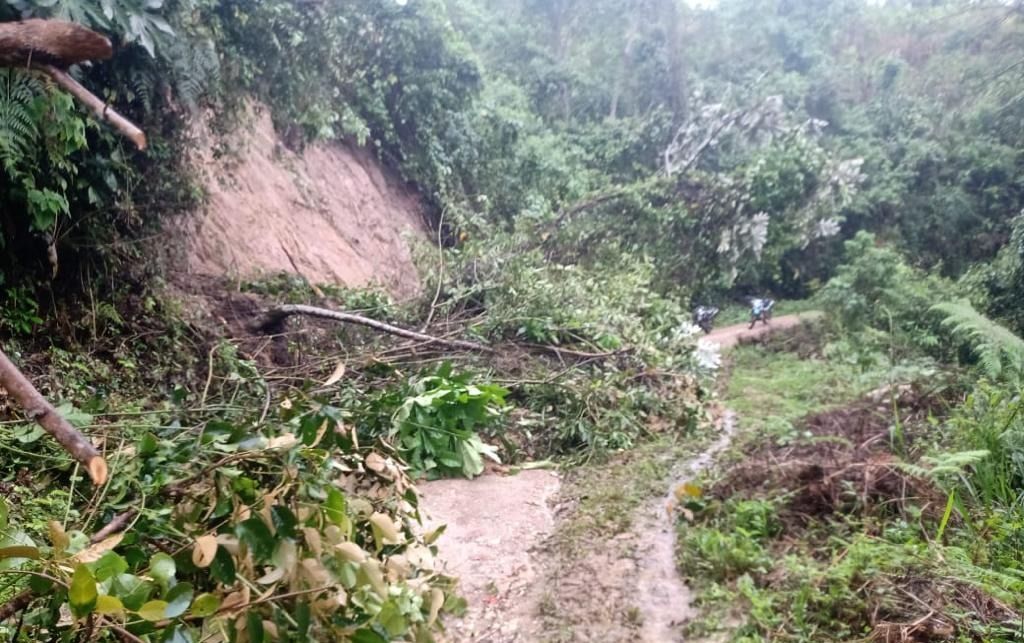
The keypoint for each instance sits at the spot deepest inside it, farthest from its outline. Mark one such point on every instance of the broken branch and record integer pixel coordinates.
(53, 45)
(102, 111)
(275, 316)
(16, 604)
(39, 410)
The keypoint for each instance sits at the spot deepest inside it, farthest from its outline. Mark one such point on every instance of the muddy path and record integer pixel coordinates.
(664, 598)
(494, 527)
(729, 336)
(618, 585)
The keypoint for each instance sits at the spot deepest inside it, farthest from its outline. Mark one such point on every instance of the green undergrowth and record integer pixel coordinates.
(832, 519)
(265, 483)
(768, 387)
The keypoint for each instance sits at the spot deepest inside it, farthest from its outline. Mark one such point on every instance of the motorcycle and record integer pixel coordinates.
(761, 311)
(704, 317)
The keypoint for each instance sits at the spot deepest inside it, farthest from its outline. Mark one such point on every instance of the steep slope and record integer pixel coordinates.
(331, 213)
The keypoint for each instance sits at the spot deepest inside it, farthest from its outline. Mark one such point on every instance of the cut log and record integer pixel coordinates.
(52, 46)
(102, 111)
(50, 42)
(39, 410)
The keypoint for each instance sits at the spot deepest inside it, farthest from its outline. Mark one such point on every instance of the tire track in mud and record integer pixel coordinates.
(664, 598)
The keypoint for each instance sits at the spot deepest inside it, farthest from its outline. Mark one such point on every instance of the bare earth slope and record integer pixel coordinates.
(331, 213)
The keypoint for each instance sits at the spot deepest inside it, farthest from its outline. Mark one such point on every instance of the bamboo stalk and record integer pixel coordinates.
(102, 111)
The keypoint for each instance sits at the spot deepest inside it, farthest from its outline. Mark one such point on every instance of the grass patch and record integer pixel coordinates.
(822, 526)
(766, 387)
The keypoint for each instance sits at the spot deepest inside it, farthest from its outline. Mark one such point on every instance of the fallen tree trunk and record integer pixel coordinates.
(274, 317)
(39, 410)
(51, 46)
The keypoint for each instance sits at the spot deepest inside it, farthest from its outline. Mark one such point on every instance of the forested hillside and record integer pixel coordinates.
(589, 172)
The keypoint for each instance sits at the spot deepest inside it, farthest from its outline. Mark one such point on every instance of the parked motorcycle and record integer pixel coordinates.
(761, 311)
(704, 317)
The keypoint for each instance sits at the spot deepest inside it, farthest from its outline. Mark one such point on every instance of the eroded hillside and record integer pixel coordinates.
(330, 212)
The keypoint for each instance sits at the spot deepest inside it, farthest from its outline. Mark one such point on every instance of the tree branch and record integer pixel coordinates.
(39, 410)
(118, 524)
(16, 604)
(101, 110)
(276, 316)
(584, 205)
(53, 45)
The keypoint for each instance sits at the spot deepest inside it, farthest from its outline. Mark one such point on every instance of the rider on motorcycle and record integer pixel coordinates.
(761, 310)
(704, 317)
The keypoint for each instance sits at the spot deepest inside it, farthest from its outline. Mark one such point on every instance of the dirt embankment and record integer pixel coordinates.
(331, 213)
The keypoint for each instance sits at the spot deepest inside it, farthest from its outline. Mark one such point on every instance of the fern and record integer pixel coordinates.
(951, 464)
(143, 83)
(1000, 352)
(195, 68)
(18, 129)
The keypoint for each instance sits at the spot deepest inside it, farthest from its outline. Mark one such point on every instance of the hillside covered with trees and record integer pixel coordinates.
(590, 171)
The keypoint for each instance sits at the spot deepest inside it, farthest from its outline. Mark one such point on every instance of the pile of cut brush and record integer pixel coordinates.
(831, 535)
(848, 461)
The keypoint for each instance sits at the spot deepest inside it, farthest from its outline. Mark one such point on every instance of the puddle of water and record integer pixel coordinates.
(664, 599)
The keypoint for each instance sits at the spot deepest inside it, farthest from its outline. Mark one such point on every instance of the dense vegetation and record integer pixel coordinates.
(593, 168)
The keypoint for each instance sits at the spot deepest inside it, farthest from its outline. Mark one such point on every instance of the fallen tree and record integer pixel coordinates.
(275, 317)
(51, 46)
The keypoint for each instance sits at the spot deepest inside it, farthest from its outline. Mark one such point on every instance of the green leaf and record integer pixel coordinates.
(205, 605)
(74, 415)
(28, 433)
(162, 568)
(223, 567)
(132, 590)
(178, 600)
(335, 506)
(946, 515)
(254, 533)
(302, 619)
(3, 515)
(109, 565)
(154, 611)
(391, 617)
(254, 627)
(148, 445)
(82, 592)
(367, 635)
(108, 605)
(284, 521)
(178, 634)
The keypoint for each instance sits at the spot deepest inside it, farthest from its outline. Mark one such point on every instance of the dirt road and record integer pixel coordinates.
(729, 336)
(494, 543)
(494, 525)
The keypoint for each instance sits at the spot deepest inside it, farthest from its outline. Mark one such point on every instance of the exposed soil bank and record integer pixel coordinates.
(331, 213)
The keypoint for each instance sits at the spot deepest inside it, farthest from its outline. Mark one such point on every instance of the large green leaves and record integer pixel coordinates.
(436, 426)
(82, 592)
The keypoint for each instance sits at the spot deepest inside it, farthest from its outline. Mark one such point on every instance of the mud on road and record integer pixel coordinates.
(524, 584)
(608, 586)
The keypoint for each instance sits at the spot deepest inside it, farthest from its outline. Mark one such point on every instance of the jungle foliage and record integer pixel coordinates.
(593, 167)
